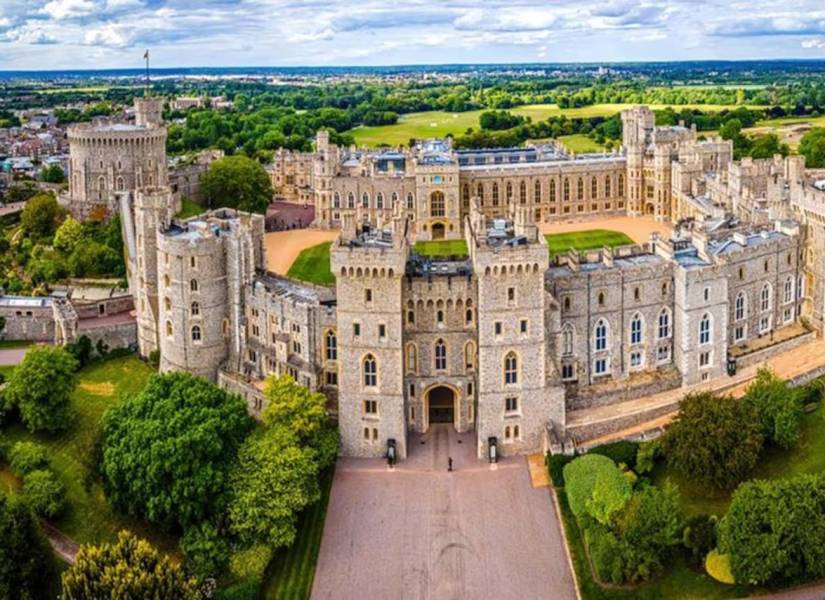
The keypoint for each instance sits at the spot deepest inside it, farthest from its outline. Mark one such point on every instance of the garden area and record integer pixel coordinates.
(442, 249)
(313, 265)
(726, 504)
(141, 468)
(559, 243)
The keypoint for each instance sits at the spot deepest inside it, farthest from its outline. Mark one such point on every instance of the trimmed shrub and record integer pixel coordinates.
(718, 566)
(45, 493)
(595, 487)
(699, 536)
(556, 464)
(622, 452)
(26, 457)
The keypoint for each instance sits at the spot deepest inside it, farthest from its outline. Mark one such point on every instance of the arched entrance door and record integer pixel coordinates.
(441, 405)
(438, 231)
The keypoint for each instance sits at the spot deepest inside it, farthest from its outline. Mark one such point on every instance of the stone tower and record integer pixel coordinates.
(149, 111)
(513, 375)
(322, 172)
(369, 268)
(637, 125)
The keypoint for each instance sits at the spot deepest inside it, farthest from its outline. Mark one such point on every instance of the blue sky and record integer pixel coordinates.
(60, 34)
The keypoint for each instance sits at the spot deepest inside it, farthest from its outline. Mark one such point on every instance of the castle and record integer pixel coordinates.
(505, 341)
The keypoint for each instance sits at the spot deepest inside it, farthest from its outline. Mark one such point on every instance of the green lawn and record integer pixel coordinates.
(312, 265)
(189, 208)
(438, 123)
(10, 344)
(807, 456)
(442, 248)
(580, 143)
(88, 517)
(290, 575)
(585, 240)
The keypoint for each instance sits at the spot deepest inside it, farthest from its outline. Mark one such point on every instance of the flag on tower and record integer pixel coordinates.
(146, 55)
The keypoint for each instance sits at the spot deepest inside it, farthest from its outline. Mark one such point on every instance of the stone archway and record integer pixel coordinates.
(438, 231)
(442, 405)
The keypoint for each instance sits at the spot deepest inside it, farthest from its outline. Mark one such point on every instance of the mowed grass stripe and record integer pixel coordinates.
(442, 248)
(559, 243)
(313, 265)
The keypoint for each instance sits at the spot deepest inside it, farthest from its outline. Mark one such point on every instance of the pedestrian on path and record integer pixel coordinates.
(450, 463)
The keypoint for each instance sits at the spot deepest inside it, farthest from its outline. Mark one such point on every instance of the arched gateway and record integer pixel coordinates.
(441, 405)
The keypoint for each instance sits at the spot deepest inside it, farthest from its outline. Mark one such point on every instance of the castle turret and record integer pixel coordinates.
(149, 111)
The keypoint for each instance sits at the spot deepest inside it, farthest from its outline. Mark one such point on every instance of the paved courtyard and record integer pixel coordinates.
(420, 532)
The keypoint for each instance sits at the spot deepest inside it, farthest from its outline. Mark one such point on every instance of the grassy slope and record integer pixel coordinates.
(442, 248)
(189, 208)
(585, 240)
(580, 143)
(313, 265)
(437, 123)
(808, 456)
(291, 573)
(89, 518)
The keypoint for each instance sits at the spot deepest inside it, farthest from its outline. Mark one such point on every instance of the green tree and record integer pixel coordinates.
(53, 174)
(713, 440)
(41, 216)
(812, 147)
(778, 407)
(26, 567)
(768, 145)
(68, 235)
(26, 457)
(205, 549)
(237, 182)
(275, 479)
(168, 450)
(303, 413)
(44, 492)
(129, 568)
(774, 530)
(41, 386)
(595, 487)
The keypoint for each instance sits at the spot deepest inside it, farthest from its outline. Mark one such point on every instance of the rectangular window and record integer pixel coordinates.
(356, 329)
(764, 324)
(600, 366)
(510, 405)
(332, 378)
(663, 353)
(368, 295)
(704, 359)
(411, 389)
(370, 407)
(511, 294)
(787, 315)
(739, 334)
(567, 372)
(523, 325)
(635, 359)
(498, 327)
(382, 331)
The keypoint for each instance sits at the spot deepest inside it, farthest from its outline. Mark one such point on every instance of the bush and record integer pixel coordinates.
(44, 493)
(647, 455)
(699, 536)
(239, 591)
(250, 563)
(595, 487)
(26, 565)
(622, 452)
(778, 407)
(556, 464)
(605, 552)
(718, 566)
(206, 551)
(26, 457)
(715, 441)
(774, 531)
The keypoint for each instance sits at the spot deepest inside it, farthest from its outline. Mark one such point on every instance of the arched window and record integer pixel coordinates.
(410, 201)
(365, 200)
(594, 188)
(331, 342)
(468, 316)
(469, 356)
(600, 336)
(704, 330)
(119, 184)
(740, 307)
(537, 191)
(509, 192)
(465, 195)
(800, 287)
(480, 193)
(193, 285)
(566, 190)
(167, 302)
(507, 434)
(664, 324)
(495, 193)
(168, 328)
(394, 199)
(336, 200)
(522, 192)
(511, 368)
(196, 333)
(552, 193)
(440, 355)
(600, 299)
(411, 317)
(412, 359)
(195, 309)
(607, 186)
(788, 297)
(439, 316)
(516, 432)
(765, 297)
(370, 369)
(636, 329)
(567, 340)
(437, 204)
(379, 201)
(621, 184)
(580, 189)
(166, 281)
(350, 200)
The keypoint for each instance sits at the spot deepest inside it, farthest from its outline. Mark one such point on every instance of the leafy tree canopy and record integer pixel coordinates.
(168, 450)
(41, 216)
(595, 487)
(26, 566)
(778, 407)
(237, 182)
(812, 147)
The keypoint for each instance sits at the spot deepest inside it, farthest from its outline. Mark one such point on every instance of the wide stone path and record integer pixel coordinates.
(420, 532)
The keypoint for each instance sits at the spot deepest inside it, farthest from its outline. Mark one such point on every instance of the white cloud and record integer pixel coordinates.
(30, 34)
(5, 22)
(813, 43)
(62, 9)
(112, 36)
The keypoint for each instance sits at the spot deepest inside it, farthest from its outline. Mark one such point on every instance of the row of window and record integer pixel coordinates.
(538, 188)
(439, 356)
(365, 200)
(369, 365)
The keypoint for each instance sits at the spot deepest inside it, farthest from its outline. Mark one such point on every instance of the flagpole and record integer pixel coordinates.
(146, 57)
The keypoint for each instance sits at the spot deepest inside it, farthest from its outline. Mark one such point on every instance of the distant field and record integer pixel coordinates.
(313, 265)
(442, 248)
(580, 143)
(789, 129)
(437, 123)
(585, 240)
